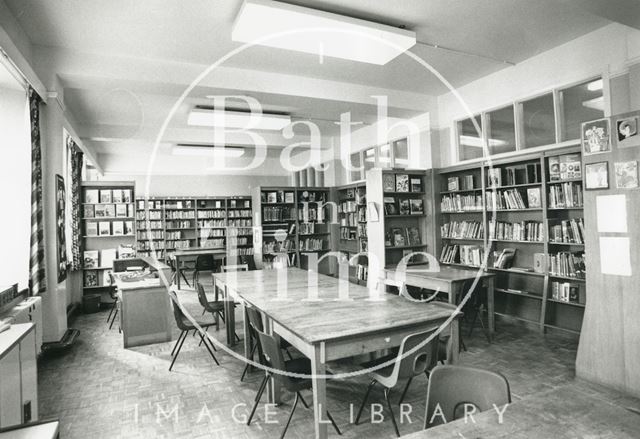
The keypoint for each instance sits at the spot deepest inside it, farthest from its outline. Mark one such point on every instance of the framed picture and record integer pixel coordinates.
(61, 241)
(596, 175)
(626, 126)
(596, 137)
(626, 175)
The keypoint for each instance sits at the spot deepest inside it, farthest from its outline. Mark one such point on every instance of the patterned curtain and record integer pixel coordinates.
(74, 167)
(37, 283)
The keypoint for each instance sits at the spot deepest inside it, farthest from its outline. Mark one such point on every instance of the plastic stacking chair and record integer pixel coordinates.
(113, 293)
(205, 263)
(451, 387)
(271, 356)
(185, 327)
(216, 308)
(413, 358)
(174, 271)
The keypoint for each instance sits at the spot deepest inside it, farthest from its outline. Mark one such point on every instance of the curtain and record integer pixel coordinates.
(73, 179)
(37, 283)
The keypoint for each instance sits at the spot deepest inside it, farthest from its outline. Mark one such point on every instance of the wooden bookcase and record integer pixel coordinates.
(399, 217)
(180, 223)
(488, 209)
(150, 241)
(108, 229)
(352, 236)
(294, 223)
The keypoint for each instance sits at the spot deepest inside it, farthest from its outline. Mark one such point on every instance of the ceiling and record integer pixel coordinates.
(123, 64)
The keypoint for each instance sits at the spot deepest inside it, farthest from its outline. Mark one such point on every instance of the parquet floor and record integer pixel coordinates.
(100, 390)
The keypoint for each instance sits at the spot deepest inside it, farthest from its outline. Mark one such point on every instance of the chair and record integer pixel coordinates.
(113, 293)
(216, 308)
(185, 326)
(415, 357)
(248, 260)
(271, 356)
(174, 272)
(451, 387)
(204, 263)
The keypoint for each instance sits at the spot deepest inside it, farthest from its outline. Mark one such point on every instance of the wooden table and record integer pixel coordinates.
(326, 329)
(32, 430)
(191, 253)
(449, 280)
(572, 411)
(145, 315)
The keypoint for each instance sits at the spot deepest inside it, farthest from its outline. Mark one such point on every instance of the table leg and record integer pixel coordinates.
(274, 389)
(230, 317)
(178, 272)
(247, 336)
(453, 347)
(491, 305)
(318, 367)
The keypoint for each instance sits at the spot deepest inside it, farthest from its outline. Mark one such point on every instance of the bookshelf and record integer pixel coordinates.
(108, 230)
(524, 216)
(352, 218)
(150, 235)
(402, 200)
(239, 227)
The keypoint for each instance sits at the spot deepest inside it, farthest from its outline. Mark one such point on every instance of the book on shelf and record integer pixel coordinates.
(107, 256)
(91, 228)
(91, 278)
(570, 166)
(413, 236)
(539, 262)
(105, 196)
(117, 228)
(399, 237)
(288, 197)
(121, 210)
(468, 182)
(91, 259)
(130, 210)
(554, 168)
(104, 228)
(126, 251)
(565, 292)
(110, 210)
(390, 206)
(534, 198)
(416, 184)
(116, 196)
(504, 259)
(416, 206)
(128, 227)
(567, 264)
(472, 255)
(91, 196)
(272, 197)
(458, 203)
(402, 183)
(462, 230)
(506, 199)
(127, 196)
(519, 231)
(567, 194)
(404, 207)
(388, 183)
(453, 184)
(494, 177)
(569, 231)
(100, 211)
(89, 211)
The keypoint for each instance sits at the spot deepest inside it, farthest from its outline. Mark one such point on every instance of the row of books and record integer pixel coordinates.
(158, 254)
(310, 213)
(239, 204)
(237, 231)
(311, 244)
(362, 231)
(349, 220)
(401, 183)
(279, 213)
(403, 206)
(565, 292)
(153, 204)
(348, 234)
(146, 245)
(269, 247)
(242, 251)
(307, 228)
(180, 214)
(105, 257)
(153, 225)
(279, 261)
(178, 245)
(150, 234)
(472, 255)
(565, 195)
(403, 236)
(243, 213)
(273, 197)
(212, 243)
(240, 222)
(179, 204)
(462, 230)
(184, 224)
(347, 207)
(567, 264)
(528, 173)
(203, 224)
(522, 231)
(565, 167)
(454, 183)
(457, 203)
(512, 199)
(206, 233)
(205, 214)
(107, 210)
(109, 228)
(175, 235)
(569, 231)
(153, 215)
(107, 196)
(238, 241)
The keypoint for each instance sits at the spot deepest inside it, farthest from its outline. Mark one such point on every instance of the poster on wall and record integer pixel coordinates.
(596, 137)
(61, 242)
(626, 175)
(626, 130)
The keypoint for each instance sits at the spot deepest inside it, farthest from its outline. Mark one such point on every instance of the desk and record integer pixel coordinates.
(327, 329)
(33, 430)
(572, 411)
(146, 313)
(190, 254)
(449, 280)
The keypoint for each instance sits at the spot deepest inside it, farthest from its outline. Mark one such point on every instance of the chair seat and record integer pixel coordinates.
(301, 366)
(382, 375)
(215, 306)
(202, 323)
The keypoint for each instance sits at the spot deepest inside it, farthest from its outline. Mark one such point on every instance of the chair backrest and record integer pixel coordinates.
(416, 355)
(238, 267)
(451, 387)
(205, 263)
(271, 356)
(255, 326)
(113, 289)
(248, 259)
(178, 315)
(202, 296)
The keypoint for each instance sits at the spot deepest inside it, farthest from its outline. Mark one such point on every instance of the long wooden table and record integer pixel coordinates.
(448, 280)
(324, 328)
(577, 410)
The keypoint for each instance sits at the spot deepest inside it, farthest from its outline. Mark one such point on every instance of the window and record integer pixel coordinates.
(400, 154)
(355, 171)
(501, 130)
(384, 156)
(538, 121)
(580, 103)
(469, 139)
(369, 159)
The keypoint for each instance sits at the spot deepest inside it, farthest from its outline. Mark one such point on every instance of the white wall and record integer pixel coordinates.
(606, 51)
(15, 184)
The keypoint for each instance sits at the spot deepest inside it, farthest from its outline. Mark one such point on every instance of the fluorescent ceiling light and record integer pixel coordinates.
(208, 151)
(477, 141)
(209, 117)
(595, 103)
(595, 85)
(292, 27)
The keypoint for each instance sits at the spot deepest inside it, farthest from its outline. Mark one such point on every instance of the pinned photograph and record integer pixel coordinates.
(627, 175)
(596, 136)
(597, 175)
(627, 131)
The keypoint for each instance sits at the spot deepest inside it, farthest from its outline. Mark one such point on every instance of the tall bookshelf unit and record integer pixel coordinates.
(531, 204)
(108, 226)
(352, 218)
(150, 237)
(293, 225)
